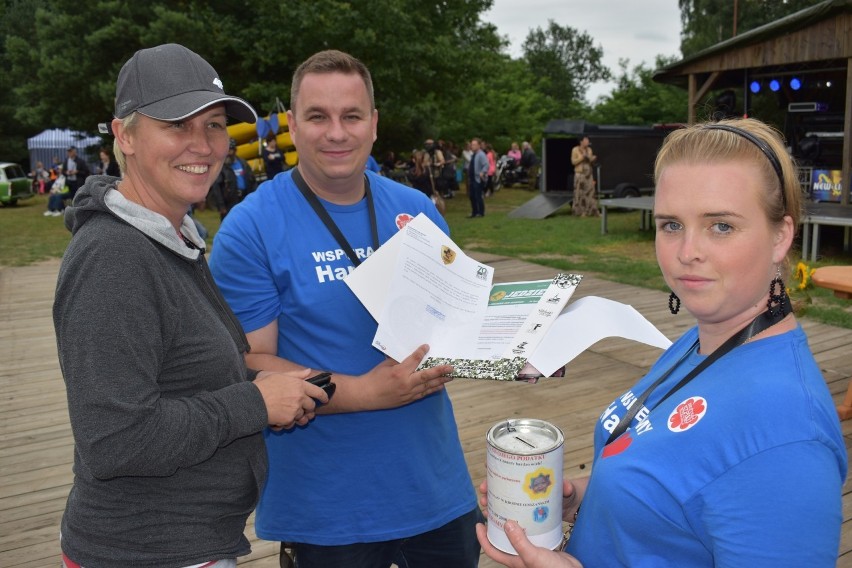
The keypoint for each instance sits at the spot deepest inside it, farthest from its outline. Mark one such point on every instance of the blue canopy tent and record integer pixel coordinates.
(55, 142)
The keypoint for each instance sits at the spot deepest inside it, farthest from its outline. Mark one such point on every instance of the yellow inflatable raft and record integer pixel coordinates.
(250, 150)
(244, 132)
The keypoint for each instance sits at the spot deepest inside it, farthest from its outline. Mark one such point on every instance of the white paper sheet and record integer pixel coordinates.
(371, 280)
(436, 295)
(585, 322)
(509, 306)
(417, 297)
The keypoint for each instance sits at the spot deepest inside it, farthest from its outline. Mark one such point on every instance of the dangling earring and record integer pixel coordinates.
(775, 303)
(674, 303)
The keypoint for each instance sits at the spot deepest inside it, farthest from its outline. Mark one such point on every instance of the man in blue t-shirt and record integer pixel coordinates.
(379, 477)
(242, 171)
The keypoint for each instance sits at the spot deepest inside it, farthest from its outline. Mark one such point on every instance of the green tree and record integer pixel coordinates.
(67, 69)
(502, 106)
(708, 22)
(638, 100)
(423, 55)
(438, 70)
(17, 19)
(565, 62)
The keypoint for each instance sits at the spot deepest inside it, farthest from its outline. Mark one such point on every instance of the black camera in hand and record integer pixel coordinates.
(323, 381)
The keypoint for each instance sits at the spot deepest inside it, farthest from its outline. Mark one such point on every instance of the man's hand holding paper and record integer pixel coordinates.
(389, 384)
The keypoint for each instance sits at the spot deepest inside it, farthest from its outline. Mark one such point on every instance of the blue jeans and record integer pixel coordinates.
(453, 545)
(56, 201)
(477, 203)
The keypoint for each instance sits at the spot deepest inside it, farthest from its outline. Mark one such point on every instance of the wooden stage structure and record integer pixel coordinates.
(36, 445)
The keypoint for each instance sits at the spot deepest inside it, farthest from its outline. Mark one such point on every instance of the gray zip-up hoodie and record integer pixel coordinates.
(169, 458)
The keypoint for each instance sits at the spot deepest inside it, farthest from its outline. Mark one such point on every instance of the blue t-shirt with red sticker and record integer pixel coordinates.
(743, 466)
(343, 478)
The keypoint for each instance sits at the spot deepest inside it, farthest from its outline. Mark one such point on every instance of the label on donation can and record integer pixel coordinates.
(524, 474)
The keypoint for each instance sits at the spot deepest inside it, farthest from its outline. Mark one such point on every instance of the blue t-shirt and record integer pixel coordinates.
(240, 172)
(344, 478)
(741, 467)
(372, 165)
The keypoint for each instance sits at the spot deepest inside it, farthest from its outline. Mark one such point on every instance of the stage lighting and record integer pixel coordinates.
(795, 83)
(774, 85)
(755, 87)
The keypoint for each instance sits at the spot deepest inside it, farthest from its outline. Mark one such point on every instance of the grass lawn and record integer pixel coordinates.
(625, 254)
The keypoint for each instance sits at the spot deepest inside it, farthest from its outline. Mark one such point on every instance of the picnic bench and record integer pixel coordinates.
(838, 279)
(835, 278)
(819, 214)
(645, 204)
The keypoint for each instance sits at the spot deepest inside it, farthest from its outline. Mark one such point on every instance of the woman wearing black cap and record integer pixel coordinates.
(169, 457)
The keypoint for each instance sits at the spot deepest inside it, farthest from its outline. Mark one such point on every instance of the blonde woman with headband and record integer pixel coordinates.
(729, 451)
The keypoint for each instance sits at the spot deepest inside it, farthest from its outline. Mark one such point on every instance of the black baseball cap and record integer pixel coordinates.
(170, 82)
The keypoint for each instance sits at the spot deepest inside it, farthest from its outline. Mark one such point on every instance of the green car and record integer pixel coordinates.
(14, 184)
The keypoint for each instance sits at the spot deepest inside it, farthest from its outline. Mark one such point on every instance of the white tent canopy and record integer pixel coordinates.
(54, 142)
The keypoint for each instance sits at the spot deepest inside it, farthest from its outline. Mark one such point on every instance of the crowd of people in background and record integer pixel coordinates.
(63, 179)
(438, 169)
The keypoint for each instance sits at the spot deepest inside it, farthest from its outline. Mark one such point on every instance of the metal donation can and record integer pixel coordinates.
(524, 474)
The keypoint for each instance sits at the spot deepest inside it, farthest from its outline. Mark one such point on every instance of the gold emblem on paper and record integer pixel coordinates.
(448, 255)
(497, 296)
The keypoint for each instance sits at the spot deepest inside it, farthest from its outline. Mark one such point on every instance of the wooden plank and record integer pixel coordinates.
(36, 445)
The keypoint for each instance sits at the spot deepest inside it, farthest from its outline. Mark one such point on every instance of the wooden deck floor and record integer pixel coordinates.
(36, 442)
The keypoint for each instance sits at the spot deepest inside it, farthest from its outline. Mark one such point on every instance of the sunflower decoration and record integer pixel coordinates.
(799, 287)
(803, 275)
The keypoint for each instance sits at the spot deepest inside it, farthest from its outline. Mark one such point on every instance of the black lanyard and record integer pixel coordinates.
(759, 324)
(329, 222)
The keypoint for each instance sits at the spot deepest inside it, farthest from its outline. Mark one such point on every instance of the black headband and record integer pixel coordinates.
(763, 146)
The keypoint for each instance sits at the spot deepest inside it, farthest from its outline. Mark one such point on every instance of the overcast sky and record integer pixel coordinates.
(637, 30)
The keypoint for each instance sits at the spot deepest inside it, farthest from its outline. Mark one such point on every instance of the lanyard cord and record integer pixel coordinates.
(759, 324)
(329, 222)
